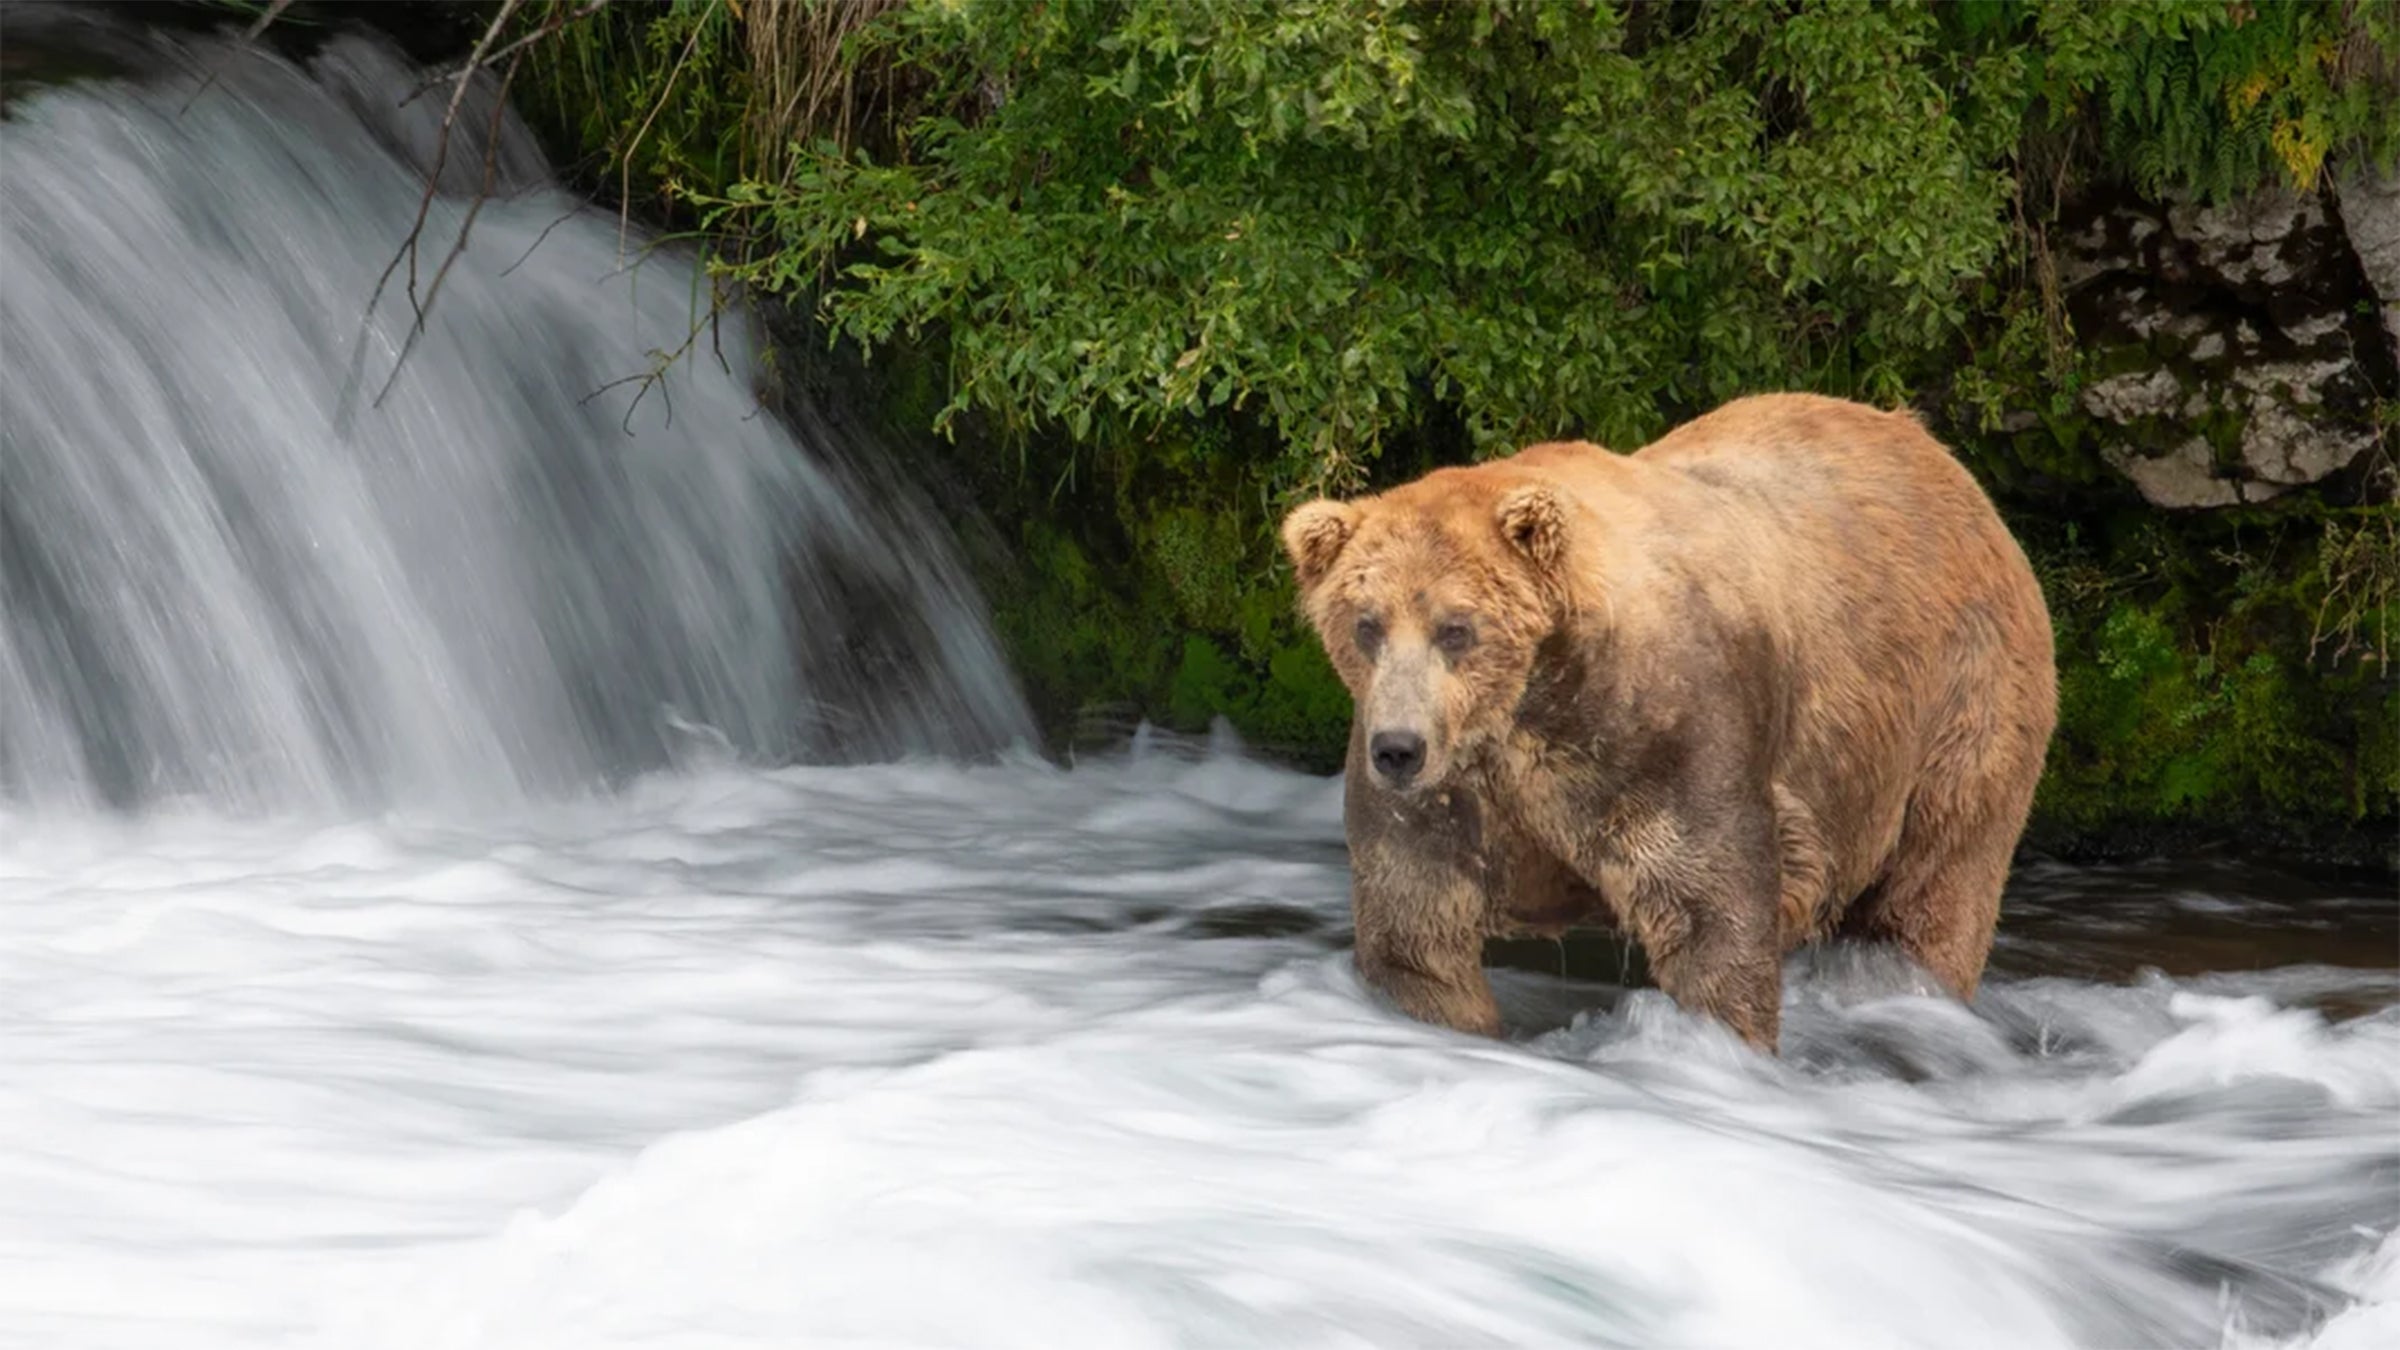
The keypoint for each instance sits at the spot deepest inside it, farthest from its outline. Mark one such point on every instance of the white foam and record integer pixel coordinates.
(913, 1055)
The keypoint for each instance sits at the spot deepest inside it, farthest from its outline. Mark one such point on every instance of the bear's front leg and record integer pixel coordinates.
(1413, 950)
(1705, 914)
(1417, 904)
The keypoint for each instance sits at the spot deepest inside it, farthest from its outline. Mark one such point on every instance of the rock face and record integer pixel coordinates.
(2370, 206)
(2243, 337)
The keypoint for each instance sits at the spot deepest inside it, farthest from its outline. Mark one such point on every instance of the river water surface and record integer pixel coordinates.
(1017, 1056)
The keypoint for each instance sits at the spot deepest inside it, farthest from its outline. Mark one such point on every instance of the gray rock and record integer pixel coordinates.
(2251, 241)
(2182, 478)
(2310, 331)
(2302, 382)
(2281, 444)
(2370, 208)
(2240, 313)
(2141, 393)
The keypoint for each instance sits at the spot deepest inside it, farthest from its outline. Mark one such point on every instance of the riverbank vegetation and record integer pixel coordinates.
(1143, 272)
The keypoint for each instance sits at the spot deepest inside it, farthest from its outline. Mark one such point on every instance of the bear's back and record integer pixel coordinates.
(1829, 483)
(1791, 440)
(1902, 603)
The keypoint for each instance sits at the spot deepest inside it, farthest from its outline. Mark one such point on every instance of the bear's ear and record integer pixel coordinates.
(1314, 534)
(1534, 521)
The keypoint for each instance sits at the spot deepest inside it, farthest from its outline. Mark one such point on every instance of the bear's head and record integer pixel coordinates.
(1431, 600)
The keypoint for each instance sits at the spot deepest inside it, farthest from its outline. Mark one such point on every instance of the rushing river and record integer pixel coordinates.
(1015, 1056)
(401, 944)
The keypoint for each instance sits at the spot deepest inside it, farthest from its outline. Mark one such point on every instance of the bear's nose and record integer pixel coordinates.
(1397, 754)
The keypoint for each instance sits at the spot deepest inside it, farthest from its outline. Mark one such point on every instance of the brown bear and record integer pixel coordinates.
(1780, 675)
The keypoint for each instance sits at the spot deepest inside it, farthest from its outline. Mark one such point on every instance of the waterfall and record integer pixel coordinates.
(242, 559)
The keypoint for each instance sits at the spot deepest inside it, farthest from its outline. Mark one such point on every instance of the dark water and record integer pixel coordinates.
(2185, 919)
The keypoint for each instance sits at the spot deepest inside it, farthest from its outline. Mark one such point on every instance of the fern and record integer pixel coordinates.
(2234, 96)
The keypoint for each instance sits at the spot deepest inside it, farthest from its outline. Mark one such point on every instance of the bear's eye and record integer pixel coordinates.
(1370, 634)
(1454, 637)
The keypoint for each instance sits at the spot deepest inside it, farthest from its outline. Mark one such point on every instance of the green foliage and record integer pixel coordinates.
(652, 93)
(2220, 97)
(2358, 586)
(1092, 635)
(1549, 217)
(2183, 693)
(1162, 266)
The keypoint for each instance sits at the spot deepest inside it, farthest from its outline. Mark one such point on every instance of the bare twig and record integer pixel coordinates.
(656, 375)
(569, 214)
(549, 26)
(483, 193)
(250, 34)
(273, 12)
(820, 96)
(441, 149)
(661, 363)
(408, 245)
(625, 159)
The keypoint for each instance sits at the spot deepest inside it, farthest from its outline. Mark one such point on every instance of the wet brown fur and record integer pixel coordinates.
(1781, 674)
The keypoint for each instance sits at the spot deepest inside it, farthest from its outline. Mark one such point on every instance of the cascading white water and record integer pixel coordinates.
(232, 566)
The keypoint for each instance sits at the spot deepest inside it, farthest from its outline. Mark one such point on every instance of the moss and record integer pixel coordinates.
(2222, 428)
(2190, 689)
(2058, 451)
(1304, 702)
(1149, 585)
(1199, 554)
(1206, 684)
